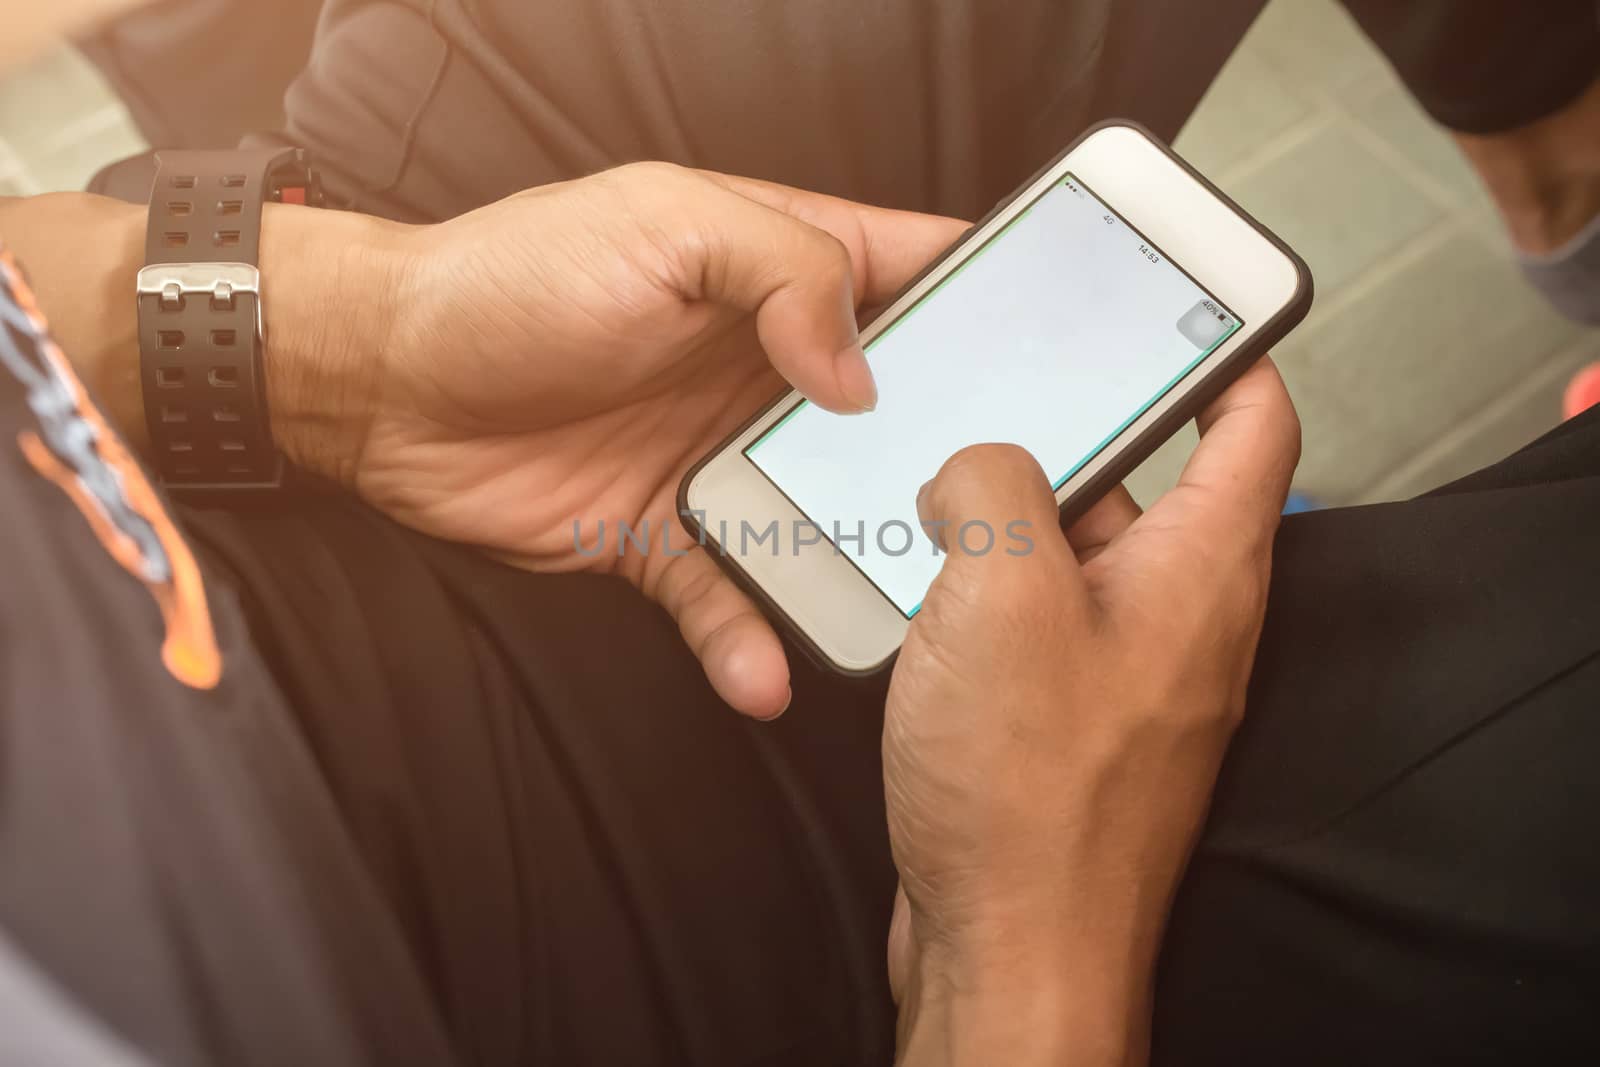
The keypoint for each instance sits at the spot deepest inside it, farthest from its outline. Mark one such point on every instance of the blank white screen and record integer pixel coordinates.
(1058, 333)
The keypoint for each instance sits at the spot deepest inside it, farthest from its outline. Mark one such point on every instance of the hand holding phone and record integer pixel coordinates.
(1088, 318)
(543, 370)
(1054, 728)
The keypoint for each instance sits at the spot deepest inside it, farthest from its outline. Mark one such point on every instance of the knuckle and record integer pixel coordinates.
(1294, 433)
(832, 259)
(651, 172)
(654, 191)
(695, 592)
(1241, 579)
(1253, 587)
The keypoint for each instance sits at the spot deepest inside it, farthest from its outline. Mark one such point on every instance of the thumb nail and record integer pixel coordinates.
(855, 378)
(775, 716)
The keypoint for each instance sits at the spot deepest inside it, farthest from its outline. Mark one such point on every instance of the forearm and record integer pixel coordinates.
(30, 27)
(329, 289)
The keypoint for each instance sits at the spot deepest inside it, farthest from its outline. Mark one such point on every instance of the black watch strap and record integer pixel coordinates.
(201, 341)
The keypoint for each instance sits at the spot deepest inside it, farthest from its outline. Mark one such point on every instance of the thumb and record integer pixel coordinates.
(795, 278)
(992, 510)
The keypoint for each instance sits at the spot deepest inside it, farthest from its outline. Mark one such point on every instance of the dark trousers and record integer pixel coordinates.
(1486, 66)
(464, 806)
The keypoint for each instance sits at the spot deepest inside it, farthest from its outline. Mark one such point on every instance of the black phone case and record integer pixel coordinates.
(1139, 450)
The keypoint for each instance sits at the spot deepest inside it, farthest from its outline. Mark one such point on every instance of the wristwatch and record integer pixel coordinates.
(201, 340)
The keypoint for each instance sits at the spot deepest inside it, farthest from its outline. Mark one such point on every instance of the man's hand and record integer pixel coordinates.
(558, 360)
(1054, 729)
(560, 357)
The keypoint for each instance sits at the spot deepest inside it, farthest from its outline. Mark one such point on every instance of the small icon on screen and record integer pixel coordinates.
(1205, 324)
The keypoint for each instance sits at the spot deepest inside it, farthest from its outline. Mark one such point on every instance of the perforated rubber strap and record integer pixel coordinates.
(200, 324)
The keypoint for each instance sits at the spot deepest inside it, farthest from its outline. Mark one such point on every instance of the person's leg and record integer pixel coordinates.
(1521, 92)
(598, 862)
(1399, 867)
(1487, 67)
(594, 860)
(504, 808)
(174, 876)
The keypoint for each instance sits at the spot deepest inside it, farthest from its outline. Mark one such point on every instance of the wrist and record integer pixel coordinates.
(955, 1014)
(81, 254)
(333, 285)
(1045, 988)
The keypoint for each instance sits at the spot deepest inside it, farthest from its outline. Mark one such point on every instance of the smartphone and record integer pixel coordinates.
(1087, 318)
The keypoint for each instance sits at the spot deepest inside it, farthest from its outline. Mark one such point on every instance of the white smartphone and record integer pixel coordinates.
(1086, 319)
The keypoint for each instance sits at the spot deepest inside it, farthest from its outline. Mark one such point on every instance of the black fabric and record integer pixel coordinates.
(596, 861)
(436, 800)
(171, 860)
(1486, 66)
(1400, 864)
(431, 108)
(938, 108)
(590, 860)
(203, 73)
(422, 109)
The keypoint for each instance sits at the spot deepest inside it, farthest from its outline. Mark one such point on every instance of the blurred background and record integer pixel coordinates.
(1425, 358)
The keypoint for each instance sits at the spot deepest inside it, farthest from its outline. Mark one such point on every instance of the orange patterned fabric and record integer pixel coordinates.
(76, 449)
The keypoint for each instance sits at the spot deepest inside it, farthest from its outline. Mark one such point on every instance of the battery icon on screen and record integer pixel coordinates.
(1205, 324)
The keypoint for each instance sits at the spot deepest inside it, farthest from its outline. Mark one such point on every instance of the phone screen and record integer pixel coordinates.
(1056, 334)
